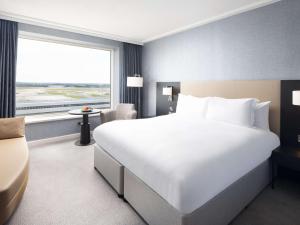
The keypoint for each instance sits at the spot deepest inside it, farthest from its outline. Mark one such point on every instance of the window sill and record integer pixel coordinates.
(48, 117)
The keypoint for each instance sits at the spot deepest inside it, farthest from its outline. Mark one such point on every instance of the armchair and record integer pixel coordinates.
(122, 112)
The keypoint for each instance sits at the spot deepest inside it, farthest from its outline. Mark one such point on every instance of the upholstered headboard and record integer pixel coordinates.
(264, 90)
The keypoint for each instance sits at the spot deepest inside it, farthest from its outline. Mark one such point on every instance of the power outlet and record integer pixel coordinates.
(298, 138)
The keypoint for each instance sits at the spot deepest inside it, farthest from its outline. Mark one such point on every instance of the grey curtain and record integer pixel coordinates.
(8, 60)
(132, 64)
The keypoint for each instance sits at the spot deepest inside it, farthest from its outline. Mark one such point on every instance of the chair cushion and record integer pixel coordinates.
(14, 159)
(124, 111)
(125, 107)
(12, 127)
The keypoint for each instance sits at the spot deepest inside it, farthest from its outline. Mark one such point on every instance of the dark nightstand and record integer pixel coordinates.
(288, 157)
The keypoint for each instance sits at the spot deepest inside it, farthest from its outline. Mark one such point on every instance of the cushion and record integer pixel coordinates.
(235, 111)
(188, 104)
(125, 107)
(12, 127)
(262, 115)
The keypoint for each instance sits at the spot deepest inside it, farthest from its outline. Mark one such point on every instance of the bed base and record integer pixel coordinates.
(110, 169)
(220, 210)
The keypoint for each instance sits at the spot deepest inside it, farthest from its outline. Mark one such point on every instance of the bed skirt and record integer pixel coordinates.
(220, 210)
(110, 169)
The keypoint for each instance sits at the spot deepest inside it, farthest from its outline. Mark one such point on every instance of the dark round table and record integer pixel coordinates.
(85, 134)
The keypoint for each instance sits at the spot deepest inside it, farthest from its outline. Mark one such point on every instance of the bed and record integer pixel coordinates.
(170, 183)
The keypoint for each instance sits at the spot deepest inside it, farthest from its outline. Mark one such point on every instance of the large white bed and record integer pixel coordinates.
(201, 165)
(186, 160)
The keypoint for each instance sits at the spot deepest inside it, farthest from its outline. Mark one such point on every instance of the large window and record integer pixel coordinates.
(55, 77)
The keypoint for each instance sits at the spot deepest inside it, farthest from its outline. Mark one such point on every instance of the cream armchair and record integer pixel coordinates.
(122, 112)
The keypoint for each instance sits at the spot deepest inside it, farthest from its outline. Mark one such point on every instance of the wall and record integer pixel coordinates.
(36, 131)
(42, 130)
(259, 44)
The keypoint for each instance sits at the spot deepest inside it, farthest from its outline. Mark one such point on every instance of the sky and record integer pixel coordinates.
(40, 61)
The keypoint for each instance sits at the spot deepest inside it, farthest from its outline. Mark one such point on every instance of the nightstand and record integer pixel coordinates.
(288, 157)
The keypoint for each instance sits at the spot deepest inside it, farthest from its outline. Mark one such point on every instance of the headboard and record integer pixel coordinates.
(264, 90)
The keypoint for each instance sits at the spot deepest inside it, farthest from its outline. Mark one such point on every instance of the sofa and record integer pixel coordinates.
(14, 165)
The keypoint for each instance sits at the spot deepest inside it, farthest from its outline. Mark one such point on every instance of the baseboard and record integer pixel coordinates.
(53, 140)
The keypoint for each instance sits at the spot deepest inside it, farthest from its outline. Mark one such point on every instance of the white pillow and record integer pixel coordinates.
(235, 111)
(181, 103)
(262, 115)
(188, 104)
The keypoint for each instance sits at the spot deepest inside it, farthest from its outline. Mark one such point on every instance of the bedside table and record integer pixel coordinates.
(288, 157)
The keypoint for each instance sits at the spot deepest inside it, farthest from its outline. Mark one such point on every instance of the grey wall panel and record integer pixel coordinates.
(259, 44)
(36, 131)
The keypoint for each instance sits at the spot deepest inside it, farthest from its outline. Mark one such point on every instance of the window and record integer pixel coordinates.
(56, 77)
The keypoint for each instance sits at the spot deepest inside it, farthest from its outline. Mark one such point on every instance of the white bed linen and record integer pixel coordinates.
(186, 160)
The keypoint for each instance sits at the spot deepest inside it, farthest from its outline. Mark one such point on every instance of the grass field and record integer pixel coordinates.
(55, 94)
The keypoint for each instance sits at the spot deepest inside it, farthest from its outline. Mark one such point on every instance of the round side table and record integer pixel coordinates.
(85, 134)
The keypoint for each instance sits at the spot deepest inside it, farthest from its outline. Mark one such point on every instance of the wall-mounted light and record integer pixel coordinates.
(296, 101)
(296, 97)
(168, 91)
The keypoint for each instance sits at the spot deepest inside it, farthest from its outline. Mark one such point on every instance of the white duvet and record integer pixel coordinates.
(186, 160)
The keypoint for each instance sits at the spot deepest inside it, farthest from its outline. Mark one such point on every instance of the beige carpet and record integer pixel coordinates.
(64, 189)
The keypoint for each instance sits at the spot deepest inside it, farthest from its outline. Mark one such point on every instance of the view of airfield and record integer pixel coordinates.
(56, 77)
(34, 98)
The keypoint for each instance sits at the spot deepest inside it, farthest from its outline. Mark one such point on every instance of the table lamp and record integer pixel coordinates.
(135, 81)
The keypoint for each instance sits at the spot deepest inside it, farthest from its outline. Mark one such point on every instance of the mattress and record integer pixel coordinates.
(186, 160)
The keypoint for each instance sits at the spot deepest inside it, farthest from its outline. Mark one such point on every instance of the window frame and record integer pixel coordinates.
(77, 43)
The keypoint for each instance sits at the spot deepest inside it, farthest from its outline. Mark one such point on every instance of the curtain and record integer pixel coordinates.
(132, 64)
(8, 60)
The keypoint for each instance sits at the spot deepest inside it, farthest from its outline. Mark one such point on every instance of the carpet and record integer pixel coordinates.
(65, 189)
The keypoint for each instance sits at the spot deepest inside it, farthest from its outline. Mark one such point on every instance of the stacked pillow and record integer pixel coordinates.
(188, 104)
(235, 111)
(262, 115)
(245, 112)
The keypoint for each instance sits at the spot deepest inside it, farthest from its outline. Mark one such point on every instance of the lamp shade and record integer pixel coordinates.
(167, 91)
(296, 97)
(134, 82)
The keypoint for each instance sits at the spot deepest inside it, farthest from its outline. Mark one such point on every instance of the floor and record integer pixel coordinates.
(65, 189)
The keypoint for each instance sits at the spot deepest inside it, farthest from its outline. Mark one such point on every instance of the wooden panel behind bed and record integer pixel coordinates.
(264, 90)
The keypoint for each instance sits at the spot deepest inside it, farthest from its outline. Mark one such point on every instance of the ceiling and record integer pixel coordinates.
(136, 21)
